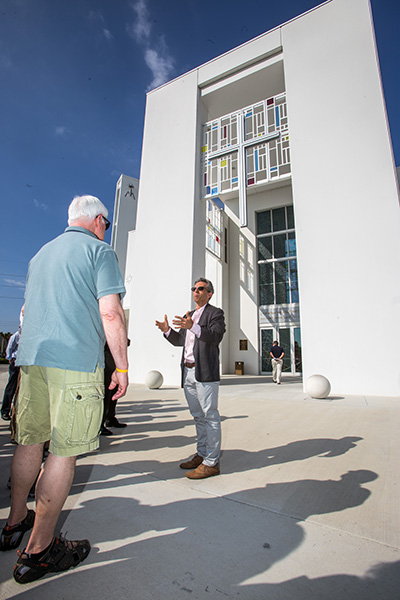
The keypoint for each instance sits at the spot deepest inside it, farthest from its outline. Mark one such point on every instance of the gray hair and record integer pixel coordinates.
(86, 207)
(209, 285)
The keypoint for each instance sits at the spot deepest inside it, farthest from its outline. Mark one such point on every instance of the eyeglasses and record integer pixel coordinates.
(106, 221)
(199, 289)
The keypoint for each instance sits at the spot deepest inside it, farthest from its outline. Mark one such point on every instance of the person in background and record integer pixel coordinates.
(277, 354)
(110, 405)
(13, 371)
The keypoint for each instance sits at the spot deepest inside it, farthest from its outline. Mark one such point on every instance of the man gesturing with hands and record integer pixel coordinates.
(200, 332)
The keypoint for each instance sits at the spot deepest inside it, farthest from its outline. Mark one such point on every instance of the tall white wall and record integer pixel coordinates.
(162, 266)
(345, 200)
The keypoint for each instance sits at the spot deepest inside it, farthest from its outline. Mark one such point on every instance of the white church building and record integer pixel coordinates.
(270, 171)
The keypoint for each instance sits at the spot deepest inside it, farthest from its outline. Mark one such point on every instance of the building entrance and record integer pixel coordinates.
(290, 340)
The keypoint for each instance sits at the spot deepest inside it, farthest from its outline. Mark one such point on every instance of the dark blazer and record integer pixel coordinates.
(206, 350)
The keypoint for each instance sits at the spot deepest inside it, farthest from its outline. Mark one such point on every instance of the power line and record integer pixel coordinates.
(13, 297)
(12, 275)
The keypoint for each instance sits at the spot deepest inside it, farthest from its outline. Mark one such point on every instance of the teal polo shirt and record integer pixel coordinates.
(62, 326)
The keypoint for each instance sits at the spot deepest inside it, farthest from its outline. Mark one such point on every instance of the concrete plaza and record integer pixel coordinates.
(306, 506)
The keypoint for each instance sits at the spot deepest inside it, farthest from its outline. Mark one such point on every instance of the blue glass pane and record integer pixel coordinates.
(291, 245)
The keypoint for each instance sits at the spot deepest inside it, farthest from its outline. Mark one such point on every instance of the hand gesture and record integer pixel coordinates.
(163, 325)
(185, 322)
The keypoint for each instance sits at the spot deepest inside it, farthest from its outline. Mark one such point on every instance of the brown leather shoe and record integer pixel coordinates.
(192, 463)
(203, 471)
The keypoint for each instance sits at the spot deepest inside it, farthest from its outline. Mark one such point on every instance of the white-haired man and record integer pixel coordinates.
(72, 306)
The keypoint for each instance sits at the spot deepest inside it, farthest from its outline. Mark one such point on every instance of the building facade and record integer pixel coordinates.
(270, 171)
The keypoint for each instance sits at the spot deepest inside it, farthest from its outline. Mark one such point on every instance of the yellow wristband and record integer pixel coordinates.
(121, 370)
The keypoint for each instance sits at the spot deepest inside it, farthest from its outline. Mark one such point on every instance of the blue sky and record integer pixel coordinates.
(74, 76)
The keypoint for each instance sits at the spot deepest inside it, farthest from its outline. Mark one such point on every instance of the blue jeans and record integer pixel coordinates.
(202, 398)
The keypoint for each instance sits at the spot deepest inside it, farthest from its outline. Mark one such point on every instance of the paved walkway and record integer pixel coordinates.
(306, 506)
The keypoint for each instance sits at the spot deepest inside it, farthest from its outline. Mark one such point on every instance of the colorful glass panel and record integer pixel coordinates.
(264, 161)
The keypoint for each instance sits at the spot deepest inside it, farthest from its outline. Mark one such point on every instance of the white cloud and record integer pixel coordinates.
(96, 15)
(161, 67)
(141, 28)
(39, 205)
(15, 283)
(61, 130)
(156, 55)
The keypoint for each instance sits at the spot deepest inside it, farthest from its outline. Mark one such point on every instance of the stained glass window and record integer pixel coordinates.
(214, 223)
(265, 160)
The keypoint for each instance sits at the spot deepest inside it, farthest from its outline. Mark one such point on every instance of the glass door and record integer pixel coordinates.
(285, 341)
(290, 340)
(267, 337)
(297, 350)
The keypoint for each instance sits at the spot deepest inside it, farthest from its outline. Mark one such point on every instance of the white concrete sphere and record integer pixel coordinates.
(318, 386)
(154, 380)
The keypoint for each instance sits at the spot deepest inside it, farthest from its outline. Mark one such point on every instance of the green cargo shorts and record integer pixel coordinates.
(65, 407)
